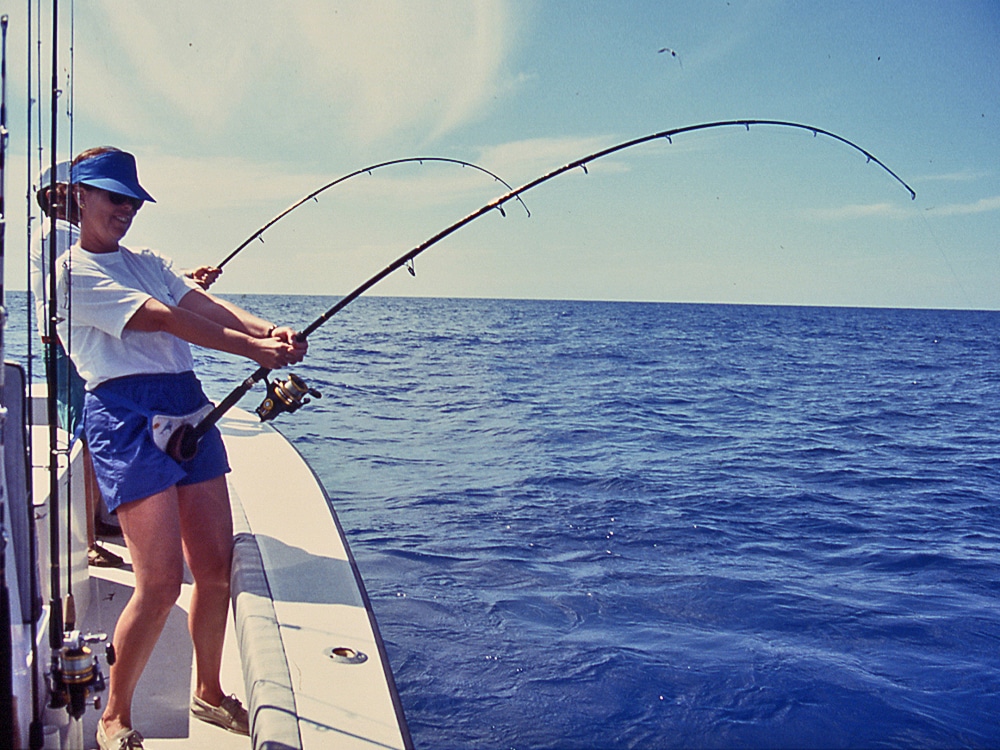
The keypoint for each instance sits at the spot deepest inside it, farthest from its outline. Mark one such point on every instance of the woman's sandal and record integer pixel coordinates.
(100, 557)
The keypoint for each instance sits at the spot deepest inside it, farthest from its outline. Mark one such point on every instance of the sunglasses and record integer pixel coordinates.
(118, 199)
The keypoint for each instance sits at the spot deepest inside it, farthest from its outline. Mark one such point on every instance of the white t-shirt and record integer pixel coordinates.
(66, 235)
(107, 290)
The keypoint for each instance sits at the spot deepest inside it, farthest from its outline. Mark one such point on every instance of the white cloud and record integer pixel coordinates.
(967, 175)
(184, 185)
(397, 65)
(890, 210)
(857, 211)
(537, 156)
(155, 66)
(983, 205)
(374, 68)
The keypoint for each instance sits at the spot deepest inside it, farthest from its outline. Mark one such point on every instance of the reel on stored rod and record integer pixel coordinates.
(285, 395)
(76, 676)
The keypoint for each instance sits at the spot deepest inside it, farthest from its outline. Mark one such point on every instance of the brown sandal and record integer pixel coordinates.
(100, 557)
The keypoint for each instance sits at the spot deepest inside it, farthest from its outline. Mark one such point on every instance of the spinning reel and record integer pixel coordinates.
(285, 395)
(76, 678)
(282, 395)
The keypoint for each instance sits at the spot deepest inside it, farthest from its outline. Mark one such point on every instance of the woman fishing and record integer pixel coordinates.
(60, 228)
(132, 321)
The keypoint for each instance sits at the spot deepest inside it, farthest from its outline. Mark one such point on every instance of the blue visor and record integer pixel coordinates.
(113, 171)
(62, 175)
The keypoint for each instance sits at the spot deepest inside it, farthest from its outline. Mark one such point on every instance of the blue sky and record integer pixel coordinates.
(237, 109)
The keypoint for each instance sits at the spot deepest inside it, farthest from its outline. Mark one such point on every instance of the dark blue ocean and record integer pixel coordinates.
(618, 525)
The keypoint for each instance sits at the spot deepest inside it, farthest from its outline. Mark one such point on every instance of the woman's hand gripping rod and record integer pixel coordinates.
(287, 395)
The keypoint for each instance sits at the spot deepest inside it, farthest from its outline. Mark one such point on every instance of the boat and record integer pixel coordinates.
(303, 650)
(303, 643)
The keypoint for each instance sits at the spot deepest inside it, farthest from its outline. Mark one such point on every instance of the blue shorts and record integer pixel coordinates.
(127, 462)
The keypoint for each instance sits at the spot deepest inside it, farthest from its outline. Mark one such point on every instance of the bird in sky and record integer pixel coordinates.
(673, 53)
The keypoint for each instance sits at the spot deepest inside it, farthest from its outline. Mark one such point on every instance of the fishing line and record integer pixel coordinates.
(364, 170)
(946, 259)
(290, 395)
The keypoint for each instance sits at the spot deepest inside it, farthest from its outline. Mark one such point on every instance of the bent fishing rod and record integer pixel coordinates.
(290, 395)
(364, 170)
(7, 716)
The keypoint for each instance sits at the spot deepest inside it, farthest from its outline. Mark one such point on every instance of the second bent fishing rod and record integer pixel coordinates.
(289, 395)
(314, 195)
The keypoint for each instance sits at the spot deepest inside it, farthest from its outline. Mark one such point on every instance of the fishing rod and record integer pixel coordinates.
(290, 395)
(56, 621)
(364, 170)
(33, 78)
(74, 674)
(3, 160)
(6, 644)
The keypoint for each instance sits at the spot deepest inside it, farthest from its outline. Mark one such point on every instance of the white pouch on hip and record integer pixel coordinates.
(162, 426)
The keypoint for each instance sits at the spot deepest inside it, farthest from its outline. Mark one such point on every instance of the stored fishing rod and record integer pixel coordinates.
(363, 170)
(56, 622)
(3, 159)
(6, 645)
(290, 395)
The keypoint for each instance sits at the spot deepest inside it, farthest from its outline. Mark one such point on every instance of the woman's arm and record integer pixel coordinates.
(232, 316)
(226, 328)
(225, 313)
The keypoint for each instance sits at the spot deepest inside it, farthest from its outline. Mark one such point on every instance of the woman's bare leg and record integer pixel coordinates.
(207, 534)
(152, 531)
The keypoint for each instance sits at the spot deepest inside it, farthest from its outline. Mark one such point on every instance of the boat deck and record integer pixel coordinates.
(160, 709)
(302, 649)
